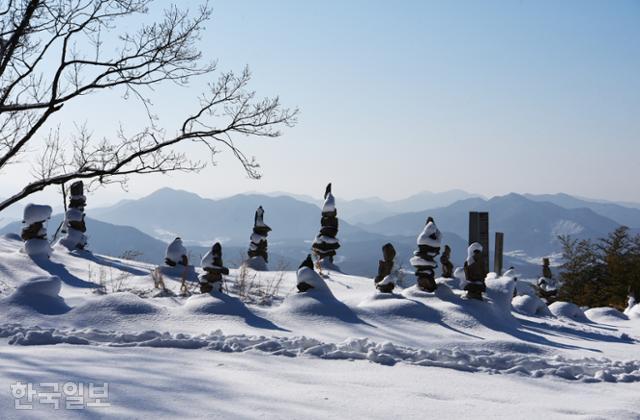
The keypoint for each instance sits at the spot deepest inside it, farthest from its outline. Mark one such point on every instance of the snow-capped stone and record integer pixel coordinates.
(329, 205)
(530, 305)
(475, 272)
(34, 233)
(34, 213)
(567, 310)
(471, 250)
(430, 235)
(307, 278)
(176, 253)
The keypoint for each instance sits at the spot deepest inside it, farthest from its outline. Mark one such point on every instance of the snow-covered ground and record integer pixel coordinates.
(349, 352)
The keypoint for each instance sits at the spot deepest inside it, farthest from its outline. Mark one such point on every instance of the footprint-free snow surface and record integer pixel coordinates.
(343, 352)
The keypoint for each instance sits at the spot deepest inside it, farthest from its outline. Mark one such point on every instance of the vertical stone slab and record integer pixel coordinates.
(479, 232)
(497, 256)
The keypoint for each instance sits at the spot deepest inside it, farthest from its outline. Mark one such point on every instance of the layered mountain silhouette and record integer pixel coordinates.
(528, 225)
(531, 223)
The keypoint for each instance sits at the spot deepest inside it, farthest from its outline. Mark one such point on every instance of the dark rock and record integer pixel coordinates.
(385, 267)
(445, 261)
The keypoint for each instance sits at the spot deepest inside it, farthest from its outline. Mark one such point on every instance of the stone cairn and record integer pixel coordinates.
(445, 262)
(258, 257)
(475, 272)
(547, 286)
(307, 278)
(325, 244)
(423, 258)
(34, 233)
(176, 254)
(384, 281)
(213, 268)
(74, 225)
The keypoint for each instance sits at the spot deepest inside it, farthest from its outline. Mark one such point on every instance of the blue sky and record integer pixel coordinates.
(404, 96)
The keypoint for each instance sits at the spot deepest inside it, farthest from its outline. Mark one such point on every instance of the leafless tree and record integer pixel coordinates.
(52, 52)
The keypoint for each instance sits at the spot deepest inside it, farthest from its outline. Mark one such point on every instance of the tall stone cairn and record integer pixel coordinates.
(74, 224)
(211, 280)
(258, 257)
(383, 281)
(423, 258)
(325, 244)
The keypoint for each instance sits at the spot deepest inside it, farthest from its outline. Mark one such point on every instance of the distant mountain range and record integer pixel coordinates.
(531, 224)
(624, 215)
(372, 209)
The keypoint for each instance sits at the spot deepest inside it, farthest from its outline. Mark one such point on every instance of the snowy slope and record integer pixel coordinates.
(336, 353)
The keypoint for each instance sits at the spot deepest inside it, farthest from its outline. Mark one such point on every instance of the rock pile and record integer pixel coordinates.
(325, 244)
(258, 257)
(74, 225)
(213, 268)
(423, 258)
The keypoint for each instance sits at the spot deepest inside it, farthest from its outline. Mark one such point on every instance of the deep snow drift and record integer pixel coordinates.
(84, 302)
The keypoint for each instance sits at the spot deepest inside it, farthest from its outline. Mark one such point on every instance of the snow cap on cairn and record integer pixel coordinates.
(430, 235)
(473, 248)
(34, 213)
(329, 205)
(258, 220)
(176, 252)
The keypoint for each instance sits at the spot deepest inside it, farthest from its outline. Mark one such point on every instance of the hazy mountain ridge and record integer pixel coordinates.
(532, 226)
(624, 215)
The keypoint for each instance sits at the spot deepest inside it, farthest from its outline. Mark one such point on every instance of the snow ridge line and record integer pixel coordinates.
(483, 360)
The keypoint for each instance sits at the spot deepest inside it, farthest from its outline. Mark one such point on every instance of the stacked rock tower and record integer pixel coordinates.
(258, 257)
(213, 268)
(34, 233)
(423, 258)
(74, 225)
(325, 244)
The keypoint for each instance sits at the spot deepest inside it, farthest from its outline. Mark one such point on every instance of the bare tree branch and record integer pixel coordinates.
(68, 33)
